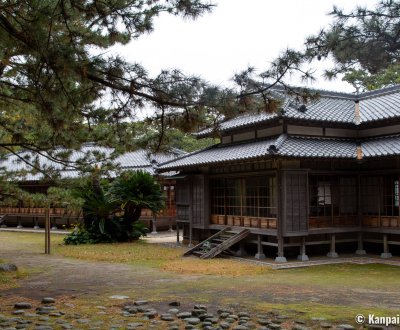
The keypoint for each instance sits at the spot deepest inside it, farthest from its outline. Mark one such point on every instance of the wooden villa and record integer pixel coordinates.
(317, 174)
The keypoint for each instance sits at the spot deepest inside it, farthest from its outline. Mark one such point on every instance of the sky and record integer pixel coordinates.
(235, 35)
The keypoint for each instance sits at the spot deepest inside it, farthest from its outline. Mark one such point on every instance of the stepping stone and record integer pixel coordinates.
(184, 315)
(118, 297)
(18, 312)
(48, 300)
(345, 326)
(167, 317)
(141, 302)
(193, 320)
(23, 305)
(8, 268)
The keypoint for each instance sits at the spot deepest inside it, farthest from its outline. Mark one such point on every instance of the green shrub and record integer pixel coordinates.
(111, 210)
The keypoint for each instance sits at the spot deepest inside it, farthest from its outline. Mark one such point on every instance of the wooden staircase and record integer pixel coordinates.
(218, 243)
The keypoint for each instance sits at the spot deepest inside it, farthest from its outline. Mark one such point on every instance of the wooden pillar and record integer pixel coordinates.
(54, 226)
(241, 252)
(332, 253)
(170, 225)
(303, 256)
(360, 248)
(281, 248)
(178, 243)
(154, 223)
(19, 226)
(386, 254)
(260, 253)
(36, 219)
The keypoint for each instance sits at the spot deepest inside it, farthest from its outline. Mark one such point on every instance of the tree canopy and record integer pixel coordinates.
(364, 43)
(59, 85)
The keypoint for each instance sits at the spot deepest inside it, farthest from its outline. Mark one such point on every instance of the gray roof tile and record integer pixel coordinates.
(286, 146)
(135, 160)
(318, 148)
(383, 146)
(330, 107)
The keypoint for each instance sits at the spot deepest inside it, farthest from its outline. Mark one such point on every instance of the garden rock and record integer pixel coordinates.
(141, 302)
(345, 327)
(119, 297)
(23, 305)
(8, 268)
(48, 300)
(174, 303)
(193, 320)
(184, 315)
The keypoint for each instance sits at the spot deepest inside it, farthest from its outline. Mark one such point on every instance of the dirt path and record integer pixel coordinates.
(58, 276)
(55, 276)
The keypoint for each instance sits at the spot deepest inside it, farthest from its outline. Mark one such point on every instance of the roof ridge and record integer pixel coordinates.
(379, 92)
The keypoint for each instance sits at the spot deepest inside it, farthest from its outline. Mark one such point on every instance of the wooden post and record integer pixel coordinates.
(36, 223)
(154, 223)
(170, 225)
(281, 256)
(303, 256)
(241, 252)
(360, 249)
(19, 226)
(332, 253)
(47, 231)
(178, 243)
(386, 254)
(260, 253)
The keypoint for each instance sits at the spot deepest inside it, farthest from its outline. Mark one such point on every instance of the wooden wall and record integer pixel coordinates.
(294, 202)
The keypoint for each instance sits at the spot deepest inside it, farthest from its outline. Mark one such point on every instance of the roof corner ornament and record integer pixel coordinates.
(357, 114)
(274, 148)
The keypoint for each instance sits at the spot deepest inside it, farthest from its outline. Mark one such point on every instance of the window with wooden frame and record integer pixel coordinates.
(390, 196)
(332, 195)
(320, 196)
(246, 196)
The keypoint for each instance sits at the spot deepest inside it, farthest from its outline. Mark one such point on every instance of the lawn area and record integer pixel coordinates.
(335, 292)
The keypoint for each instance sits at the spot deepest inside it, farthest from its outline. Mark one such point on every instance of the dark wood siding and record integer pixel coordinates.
(182, 189)
(200, 211)
(295, 202)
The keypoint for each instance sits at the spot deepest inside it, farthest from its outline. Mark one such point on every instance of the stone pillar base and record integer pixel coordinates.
(302, 257)
(361, 252)
(386, 255)
(260, 256)
(20, 226)
(332, 255)
(280, 259)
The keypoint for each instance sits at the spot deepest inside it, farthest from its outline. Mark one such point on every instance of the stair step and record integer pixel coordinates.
(218, 240)
(225, 237)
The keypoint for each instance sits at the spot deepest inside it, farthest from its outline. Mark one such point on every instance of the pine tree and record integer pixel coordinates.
(364, 43)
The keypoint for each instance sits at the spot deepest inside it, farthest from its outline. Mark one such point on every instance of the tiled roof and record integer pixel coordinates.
(383, 146)
(380, 107)
(283, 145)
(310, 147)
(329, 107)
(221, 153)
(289, 146)
(135, 160)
